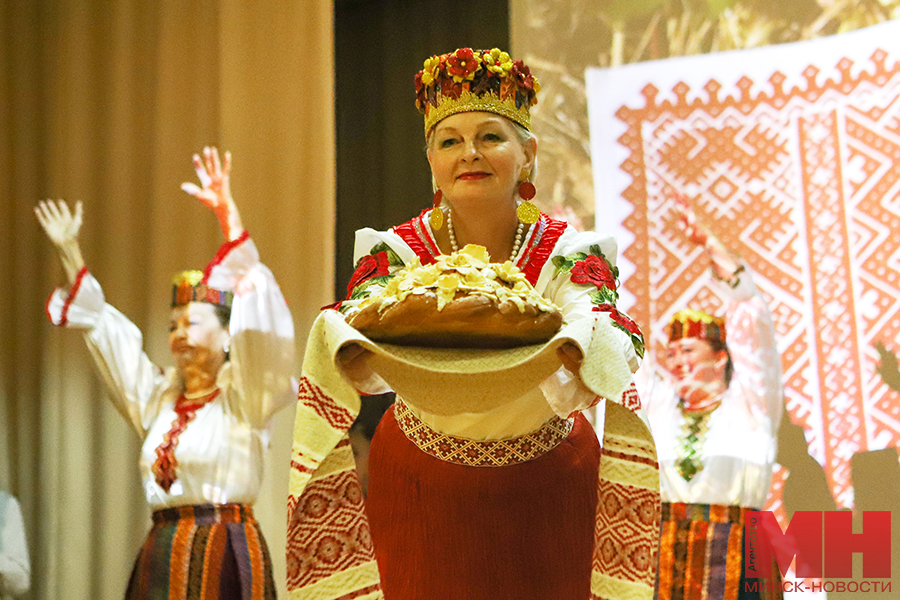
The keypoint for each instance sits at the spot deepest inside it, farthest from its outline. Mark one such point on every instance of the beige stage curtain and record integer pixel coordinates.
(105, 102)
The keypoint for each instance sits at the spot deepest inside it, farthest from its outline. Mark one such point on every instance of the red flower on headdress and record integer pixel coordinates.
(523, 75)
(596, 270)
(462, 64)
(369, 266)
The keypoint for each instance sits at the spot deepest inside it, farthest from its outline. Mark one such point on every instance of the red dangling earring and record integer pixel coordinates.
(527, 212)
(436, 220)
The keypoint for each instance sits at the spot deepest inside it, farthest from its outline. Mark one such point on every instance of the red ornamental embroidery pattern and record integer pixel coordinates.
(369, 266)
(799, 171)
(164, 467)
(488, 453)
(313, 396)
(630, 398)
(328, 532)
(595, 270)
(626, 518)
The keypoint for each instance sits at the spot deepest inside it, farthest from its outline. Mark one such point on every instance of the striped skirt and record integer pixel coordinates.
(203, 552)
(702, 555)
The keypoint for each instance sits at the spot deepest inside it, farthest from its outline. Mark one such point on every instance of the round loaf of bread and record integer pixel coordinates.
(461, 301)
(467, 321)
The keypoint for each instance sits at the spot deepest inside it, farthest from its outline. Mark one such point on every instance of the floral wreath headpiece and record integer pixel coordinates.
(689, 323)
(470, 80)
(189, 286)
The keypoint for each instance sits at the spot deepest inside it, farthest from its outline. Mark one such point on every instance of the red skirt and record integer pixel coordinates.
(522, 531)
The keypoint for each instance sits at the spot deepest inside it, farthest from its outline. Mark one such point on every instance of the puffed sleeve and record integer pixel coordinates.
(133, 382)
(752, 344)
(262, 331)
(15, 568)
(580, 277)
(377, 255)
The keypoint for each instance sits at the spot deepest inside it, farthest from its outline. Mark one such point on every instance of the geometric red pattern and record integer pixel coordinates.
(484, 453)
(630, 398)
(802, 181)
(329, 531)
(627, 519)
(312, 396)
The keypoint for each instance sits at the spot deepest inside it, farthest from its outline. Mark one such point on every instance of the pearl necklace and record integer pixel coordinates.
(455, 247)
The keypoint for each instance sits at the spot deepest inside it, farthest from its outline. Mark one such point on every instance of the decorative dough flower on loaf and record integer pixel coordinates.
(460, 300)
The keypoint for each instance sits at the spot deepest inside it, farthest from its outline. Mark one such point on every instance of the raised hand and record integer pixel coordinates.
(687, 219)
(726, 264)
(59, 223)
(215, 178)
(62, 226)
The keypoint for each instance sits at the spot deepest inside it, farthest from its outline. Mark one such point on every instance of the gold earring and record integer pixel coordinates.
(436, 220)
(527, 212)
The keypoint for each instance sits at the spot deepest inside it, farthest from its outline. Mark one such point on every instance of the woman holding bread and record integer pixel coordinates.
(485, 479)
(204, 423)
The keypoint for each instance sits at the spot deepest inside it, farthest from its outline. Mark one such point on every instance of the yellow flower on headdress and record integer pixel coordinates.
(497, 61)
(430, 70)
(191, 278)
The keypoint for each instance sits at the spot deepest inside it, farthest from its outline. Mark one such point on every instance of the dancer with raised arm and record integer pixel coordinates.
(715, 407)
(205, 422)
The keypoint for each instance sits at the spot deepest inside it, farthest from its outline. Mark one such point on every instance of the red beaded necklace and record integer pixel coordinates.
(165, 463)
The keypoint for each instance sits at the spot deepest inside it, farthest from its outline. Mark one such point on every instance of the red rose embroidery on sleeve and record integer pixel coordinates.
(594, 269)
(619, 318)
(369, 266)
(625, 322)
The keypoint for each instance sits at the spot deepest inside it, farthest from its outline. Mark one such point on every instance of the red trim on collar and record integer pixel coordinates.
(73, 291)
(223, 251)
(535, 256)
(414, 233)
(538, 248)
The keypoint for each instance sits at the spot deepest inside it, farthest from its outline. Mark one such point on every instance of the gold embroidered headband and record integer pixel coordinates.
(188, 286)
(470, 80)
(690, 323)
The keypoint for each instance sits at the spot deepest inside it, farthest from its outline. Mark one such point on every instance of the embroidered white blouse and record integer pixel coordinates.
(220, 453)
(739, 451)
(561, 394)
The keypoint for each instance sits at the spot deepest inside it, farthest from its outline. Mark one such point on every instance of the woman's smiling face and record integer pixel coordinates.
(478, 157)
(699, 371)
(196, 336)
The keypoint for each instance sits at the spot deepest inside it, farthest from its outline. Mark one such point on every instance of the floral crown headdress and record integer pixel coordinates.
(189, 286)
(689, 323)
(470, 80)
